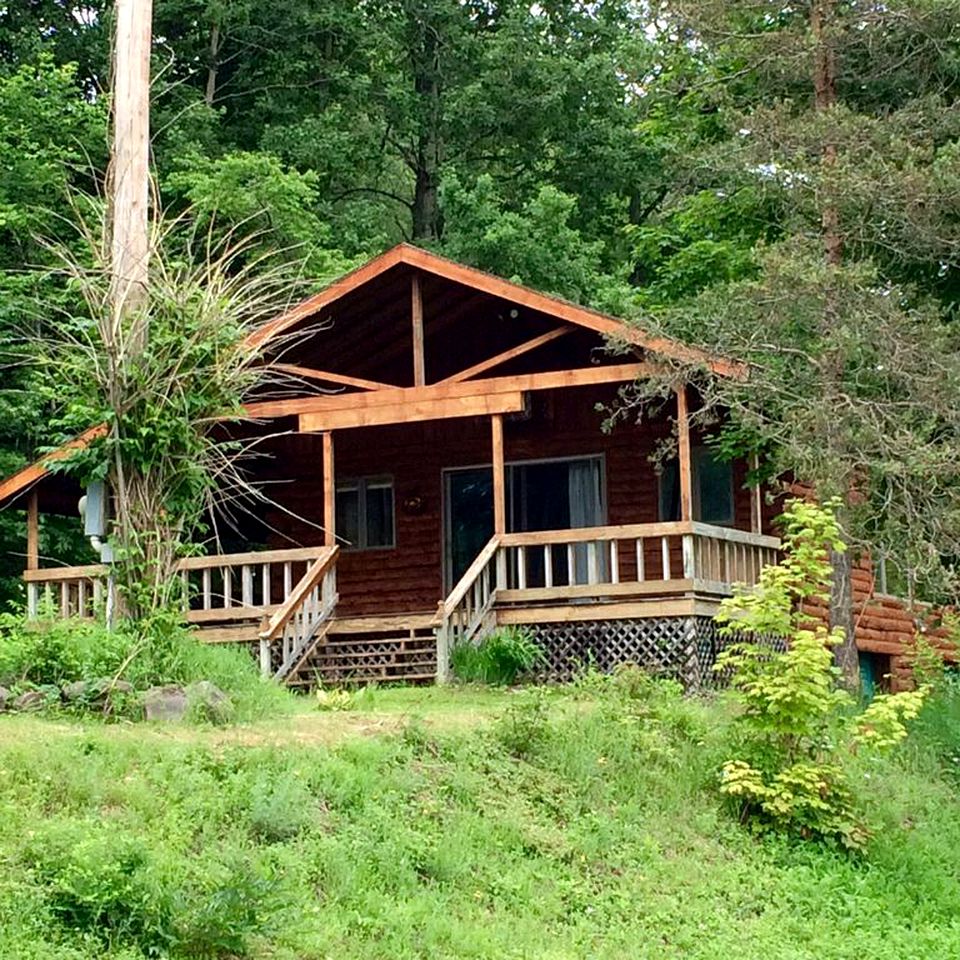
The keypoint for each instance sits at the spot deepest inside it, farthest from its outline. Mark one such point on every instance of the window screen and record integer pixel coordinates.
(712, 489)
(365, 513)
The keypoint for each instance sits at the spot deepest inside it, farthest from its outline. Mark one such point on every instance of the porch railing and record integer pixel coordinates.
(634, 559)
(219, 589)
(600, 564)
(469, 604)
(67, 591)
(300, 621)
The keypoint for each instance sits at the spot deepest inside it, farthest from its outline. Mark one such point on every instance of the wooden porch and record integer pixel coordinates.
(282, 604)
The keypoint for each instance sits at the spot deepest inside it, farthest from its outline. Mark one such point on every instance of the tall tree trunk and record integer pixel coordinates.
(213, 67)
(427, 84)
(823, 26)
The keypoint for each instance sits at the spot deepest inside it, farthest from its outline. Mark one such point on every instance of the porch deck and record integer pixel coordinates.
(282, 604)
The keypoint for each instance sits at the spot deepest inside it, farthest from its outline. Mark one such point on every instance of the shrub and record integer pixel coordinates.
(52, 654)
(499, 659)
(797, 724)
(58, 652)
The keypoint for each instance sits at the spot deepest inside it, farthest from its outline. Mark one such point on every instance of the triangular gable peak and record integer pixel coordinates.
(373, 305)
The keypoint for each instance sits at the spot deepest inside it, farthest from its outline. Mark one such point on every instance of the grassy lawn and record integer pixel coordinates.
(449, 823)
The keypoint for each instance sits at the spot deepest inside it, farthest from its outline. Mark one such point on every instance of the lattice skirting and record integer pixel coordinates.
(684, 648)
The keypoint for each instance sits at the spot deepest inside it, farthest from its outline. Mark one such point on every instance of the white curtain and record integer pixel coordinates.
(583, 489)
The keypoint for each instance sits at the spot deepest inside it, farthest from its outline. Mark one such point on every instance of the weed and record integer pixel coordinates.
(500, 658)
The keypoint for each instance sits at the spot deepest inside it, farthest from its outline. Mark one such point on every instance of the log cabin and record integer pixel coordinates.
(448, 474)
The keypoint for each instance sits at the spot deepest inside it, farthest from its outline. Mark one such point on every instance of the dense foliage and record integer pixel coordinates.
(557, 825)
(674, 161)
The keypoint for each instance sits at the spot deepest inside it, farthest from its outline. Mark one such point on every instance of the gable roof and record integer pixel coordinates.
(405, 254)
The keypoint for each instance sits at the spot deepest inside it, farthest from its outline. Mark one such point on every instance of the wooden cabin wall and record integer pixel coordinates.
(409, 577)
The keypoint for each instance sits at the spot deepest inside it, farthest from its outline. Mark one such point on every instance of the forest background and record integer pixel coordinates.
(779, 182)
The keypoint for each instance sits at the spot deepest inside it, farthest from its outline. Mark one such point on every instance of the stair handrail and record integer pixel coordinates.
(461, 587)
(448, 608)
(302, 597)
(314, 574)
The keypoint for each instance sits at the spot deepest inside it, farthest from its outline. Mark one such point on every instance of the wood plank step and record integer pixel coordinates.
(399, 644)
(358, 678)
(399, 656)
(245, 633)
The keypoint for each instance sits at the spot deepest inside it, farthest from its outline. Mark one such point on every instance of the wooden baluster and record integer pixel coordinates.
(227, 574)
(547, 565)
(265, 669)
(614, 562)
(81, 598)
(64, 599)
(665, 557)
(686, 547)
(501, 561)
(287, 579)
(206, 587)
(246, 585)
(522, 568)
(33, 600)
(485, 583)
(640, 558)
(593, 562)
(265, 585)
(571, 565)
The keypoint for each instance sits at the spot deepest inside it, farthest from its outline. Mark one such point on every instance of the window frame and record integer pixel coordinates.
(697, 453)
(360, 485)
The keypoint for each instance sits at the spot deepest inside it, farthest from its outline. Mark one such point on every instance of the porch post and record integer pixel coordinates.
(499, 495)
(756, 505)
(33, 553)
(686, 481)
(499, 479)
(33, 531)
(683, 451)
(329, 493)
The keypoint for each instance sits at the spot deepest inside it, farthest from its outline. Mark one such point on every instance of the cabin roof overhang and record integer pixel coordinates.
(379, 277)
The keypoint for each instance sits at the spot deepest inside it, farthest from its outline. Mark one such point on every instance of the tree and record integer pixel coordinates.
(852, 367)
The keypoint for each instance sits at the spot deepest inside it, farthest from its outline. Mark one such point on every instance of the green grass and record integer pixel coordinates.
(450, 824)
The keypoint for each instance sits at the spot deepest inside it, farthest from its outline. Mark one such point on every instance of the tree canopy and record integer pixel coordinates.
(780, 182)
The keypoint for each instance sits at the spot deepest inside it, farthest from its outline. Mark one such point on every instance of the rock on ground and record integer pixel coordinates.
(167, 703)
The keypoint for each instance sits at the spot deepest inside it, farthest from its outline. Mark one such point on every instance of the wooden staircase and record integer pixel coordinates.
(363, 650)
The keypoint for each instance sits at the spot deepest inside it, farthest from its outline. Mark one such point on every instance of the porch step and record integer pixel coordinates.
(366, 657)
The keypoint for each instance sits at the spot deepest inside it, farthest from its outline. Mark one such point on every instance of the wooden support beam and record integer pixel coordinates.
(506, 355)
(683, 449)
(33, 531)
(413, 412)
(499, 476)
(309, 373)
(329, 492)
(416, 316)
(756, 499)
(582, 377)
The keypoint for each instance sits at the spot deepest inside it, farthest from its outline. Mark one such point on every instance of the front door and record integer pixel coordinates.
(541, 495)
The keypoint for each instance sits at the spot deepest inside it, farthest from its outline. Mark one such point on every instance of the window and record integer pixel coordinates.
(365, 513)
(712, 488)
